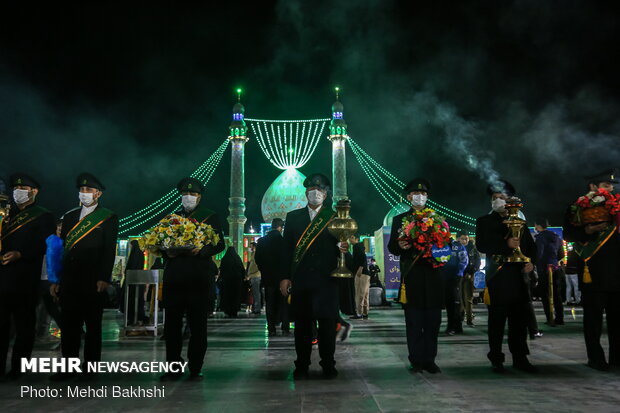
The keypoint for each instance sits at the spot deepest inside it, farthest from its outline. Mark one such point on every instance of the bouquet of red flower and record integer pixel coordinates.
(595, 206)
(429, 233)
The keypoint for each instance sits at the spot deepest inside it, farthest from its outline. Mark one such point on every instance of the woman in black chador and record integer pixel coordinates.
(231, 278)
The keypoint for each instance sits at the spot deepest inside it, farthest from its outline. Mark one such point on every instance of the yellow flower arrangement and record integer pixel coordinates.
(175, 231)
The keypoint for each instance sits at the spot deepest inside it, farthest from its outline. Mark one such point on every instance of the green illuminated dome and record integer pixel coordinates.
(285, 194)
(397, 209)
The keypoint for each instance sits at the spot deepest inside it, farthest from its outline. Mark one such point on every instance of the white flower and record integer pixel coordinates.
(598, 199)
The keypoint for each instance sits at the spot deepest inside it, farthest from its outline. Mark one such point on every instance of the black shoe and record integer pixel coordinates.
(470, 323)
(559, 322)
(196, 376)
(356, 317)
(524, 365)
(432, 368)
(330, 373)
(62, 376)
(450, 332)
(170, 376)
(416, 368)
(598, 365)
(365, 317)
(300, 374)
(498, 368)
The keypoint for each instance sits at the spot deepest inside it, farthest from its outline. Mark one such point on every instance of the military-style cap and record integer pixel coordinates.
(608, 175)
(501, 186)
(190, 185)
(318, 180)
(89, 180)
(23, 179)
(417, 184)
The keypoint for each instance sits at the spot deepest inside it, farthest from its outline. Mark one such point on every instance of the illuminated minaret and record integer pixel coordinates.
(236, 202)
(338, 136)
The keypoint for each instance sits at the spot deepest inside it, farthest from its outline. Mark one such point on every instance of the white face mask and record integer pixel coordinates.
(189, 201)
(86, 198)
(418, 200)
(21, 196)
(498, 205)
(316, 197)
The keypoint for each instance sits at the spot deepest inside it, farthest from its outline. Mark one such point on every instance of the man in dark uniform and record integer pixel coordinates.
(311, 255)
(188, 278)
(269, 258)
(598, 243)
(423, 297)
(22, 247)
(89, 233)
(507, 282)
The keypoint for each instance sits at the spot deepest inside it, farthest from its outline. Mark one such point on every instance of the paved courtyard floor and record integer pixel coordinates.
(247, 372)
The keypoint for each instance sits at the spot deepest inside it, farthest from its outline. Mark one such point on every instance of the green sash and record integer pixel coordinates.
(201, 214)
(85, 226)
(312, 231)
(588, 249)
(24, 217)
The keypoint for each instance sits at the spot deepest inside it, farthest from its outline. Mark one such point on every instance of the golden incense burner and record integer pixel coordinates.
(516, 225)
(342, 227)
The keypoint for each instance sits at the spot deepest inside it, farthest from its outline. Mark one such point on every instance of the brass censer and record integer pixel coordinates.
(516, 225)
(342, 227)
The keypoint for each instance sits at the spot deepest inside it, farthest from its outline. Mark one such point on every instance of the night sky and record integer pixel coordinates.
(141, 95)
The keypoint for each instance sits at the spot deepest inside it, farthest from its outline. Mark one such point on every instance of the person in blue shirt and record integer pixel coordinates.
(452, 273)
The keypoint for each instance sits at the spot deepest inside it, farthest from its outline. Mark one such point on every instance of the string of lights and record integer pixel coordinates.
(170, 201)
(390, 187)
(282, 142)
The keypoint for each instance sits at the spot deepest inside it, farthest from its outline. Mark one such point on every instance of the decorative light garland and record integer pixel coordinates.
(169, 202)
(391, 191)
(283, 144)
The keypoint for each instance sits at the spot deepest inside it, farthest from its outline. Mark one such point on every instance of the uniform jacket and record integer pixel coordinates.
(195, 274)
(91, 259)
(23, 275)
(604, 266)
(312, 276)
(506, 282)
(424, 285)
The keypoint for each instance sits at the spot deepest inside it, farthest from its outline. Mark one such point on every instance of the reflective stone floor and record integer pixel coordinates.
(246, 372)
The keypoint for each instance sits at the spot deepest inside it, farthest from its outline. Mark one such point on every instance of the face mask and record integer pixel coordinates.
(316, 197)
(86, 198)
(21, 196)
(418, 200)
(498, 205)
(189, 201)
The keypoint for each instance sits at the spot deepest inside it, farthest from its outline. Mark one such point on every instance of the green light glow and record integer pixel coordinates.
(287, 144)
(389, 187)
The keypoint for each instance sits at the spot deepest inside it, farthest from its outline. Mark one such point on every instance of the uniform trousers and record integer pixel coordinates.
(517, 315)
(197, 311)
(422, 332)
(594, 303)
(21, 310)
(304, 321)
(76, 311)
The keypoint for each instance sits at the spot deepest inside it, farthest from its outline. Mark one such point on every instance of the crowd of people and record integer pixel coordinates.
(288, 272)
